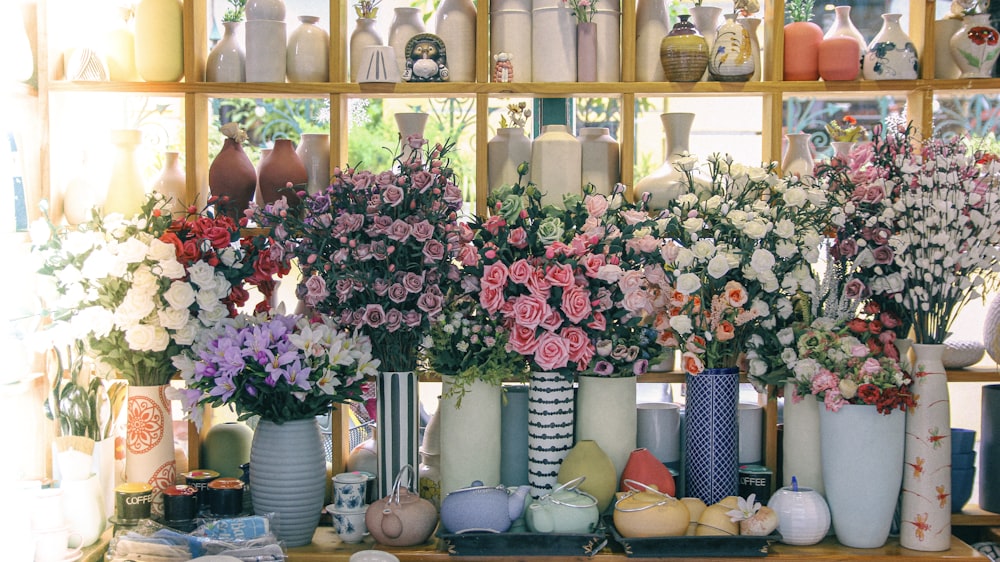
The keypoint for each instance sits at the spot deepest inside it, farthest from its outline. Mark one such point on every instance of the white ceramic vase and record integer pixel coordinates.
(120, 48)
(706, 20)
(470, 435)
(307, 57)
(803, 516)
(797, 160)
(126, 192)
(172, 183)
(651, 25)
(398, 420)
(991, 329)
(410, 124)
(730, 58)
(270, 10)
(667, 183)
(601, 160)
(606, 413)
(550, 428)
(81, 194)
(510, 32)
(455, 24)
(406, 22)
(84, 508)
(751, 25)
(607, 19)
(227, 62)
(556, 164)
(553, 42)
(314, 151)
(159, 40)
(149, 441)
(364, 35)
(266, 49)
(975, 46)
(891, 55)
(801, 443)
(505, 152)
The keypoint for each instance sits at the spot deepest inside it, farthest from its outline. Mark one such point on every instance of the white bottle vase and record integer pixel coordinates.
(843, 27)
(120, 49)
(553, 42)
(364, 35)
(945, 67)
(84, 508)
(406, 22)
(82, 194)
(270, 10)
(510, 32)
(126, 193)
(505, 152)
(706, 20)
(556, 160)
(159, 40)
(666, 183)
(729, 59)
(798, 160)
(266, 48)
(410, 124)
(601, 159)
(974, 47)
(172, 183)
(751, 25)
(608, 22)
(228, 61)
(307, 58)
(314, 151)
(651, 25)
(455, 24)
(891, 55)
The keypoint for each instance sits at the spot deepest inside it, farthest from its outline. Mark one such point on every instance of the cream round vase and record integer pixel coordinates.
(307, 56)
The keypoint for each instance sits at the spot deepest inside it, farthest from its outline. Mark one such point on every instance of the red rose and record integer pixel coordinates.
(218, 236)
(189, 252)
(858, 326)
(875, 327)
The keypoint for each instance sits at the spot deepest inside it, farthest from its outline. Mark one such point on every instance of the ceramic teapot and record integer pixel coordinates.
(482, 508)
(402, 518)
(566, 509)
(644, 511)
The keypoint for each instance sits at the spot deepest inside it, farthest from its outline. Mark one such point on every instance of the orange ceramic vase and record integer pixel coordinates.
(837, 58)
(643, 467)
(802, 40)
(279, 168)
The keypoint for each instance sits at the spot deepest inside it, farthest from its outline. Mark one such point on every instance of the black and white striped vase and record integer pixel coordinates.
(398, 419)
(550, 428)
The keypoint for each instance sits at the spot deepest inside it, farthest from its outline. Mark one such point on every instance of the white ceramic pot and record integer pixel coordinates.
(364, 35)
(945, 67)
(159, 40)
(510, 32)
(406, 22)
(798, 160)
(651, 26)
(505, 152)
(601, 159)
(553, 42)
(314, 151)
(556, 161)
(307, 58)
(227, 62)
(891, 55)
(470, 435)
(975, 46)
(730, 58)
(126, 192)
(607, 19)
(455, 24)
(266, 51)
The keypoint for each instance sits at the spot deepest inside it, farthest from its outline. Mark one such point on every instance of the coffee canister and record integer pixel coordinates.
(180, 507)
(200, 480)
(756, 479)
(133, 502)
(225, 497)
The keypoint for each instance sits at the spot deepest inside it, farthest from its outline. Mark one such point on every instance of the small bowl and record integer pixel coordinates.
(963, 460)
(959, 354)
(373, 556)
(962, 440)
(961, 487)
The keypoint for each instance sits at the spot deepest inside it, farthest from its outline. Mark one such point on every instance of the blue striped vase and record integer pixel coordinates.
(711, 430)
(398, 423)
(550, 428)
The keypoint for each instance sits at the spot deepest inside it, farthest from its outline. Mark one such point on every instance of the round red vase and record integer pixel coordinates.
(838, 58)
(801, 57)
(643, 467)
(279, 168)
(232, 175)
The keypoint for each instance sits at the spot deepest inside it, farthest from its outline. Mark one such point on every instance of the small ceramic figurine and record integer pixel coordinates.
(426, 60)
(503, 68)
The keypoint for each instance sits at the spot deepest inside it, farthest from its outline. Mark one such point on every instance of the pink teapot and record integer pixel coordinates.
(402, 518)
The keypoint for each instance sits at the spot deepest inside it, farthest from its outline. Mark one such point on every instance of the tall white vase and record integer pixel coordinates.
(149, 441)
(553, 42)
(455, 24)
(470, 435)
(406, 22)
(159, 40)
(891, 55)
(666, 183)
(751, 25)
(730, 58)
(706, 20)
(120, 48)
(266, 50)
(505, 152)
(126, 191)
(510, 32)
(308, 52)
(607, 19)
(172, 182)
(974, 47)
(601, 159)
(364, 35)
(82, 194)
(227, 62)
(556, 161)
(797, 160)
(606, 413)
(550, 428)
(651, 25)
(800, 441)
(926, 507)
(410, 124)
(314, 151)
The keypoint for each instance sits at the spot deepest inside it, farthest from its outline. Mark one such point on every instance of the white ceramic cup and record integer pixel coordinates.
(751, 421)
(659, 430)
(47, 511)
(349, 490)
(52, 545)
(378, 65)
(350, 524)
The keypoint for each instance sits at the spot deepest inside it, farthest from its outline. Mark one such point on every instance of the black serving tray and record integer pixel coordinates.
(523, 544)
(692, 547)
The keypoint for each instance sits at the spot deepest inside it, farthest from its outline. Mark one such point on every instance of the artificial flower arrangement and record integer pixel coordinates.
(573, 285)
(367, 9)
(138, 290)
(517, 115)
(583, 10)
(846, 130)
(276, 366)
(376, 249)
(746, 8)
(740, 248)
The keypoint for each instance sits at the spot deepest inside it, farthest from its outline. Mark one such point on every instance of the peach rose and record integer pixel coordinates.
(552, 352)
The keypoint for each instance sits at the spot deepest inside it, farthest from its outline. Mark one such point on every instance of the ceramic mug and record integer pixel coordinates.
(47, 511)
(349, 490)
(659, 430)
(52, 545)
(350, 524)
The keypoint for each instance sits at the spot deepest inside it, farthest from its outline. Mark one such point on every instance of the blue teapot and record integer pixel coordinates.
(482, 508)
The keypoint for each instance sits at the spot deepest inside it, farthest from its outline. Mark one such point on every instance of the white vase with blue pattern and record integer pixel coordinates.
(891, 55)
(711, 460)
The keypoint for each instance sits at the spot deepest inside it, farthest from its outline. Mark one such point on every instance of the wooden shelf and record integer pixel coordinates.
(975, 516)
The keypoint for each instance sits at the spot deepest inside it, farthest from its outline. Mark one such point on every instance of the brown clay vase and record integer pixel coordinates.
(232, 178)
(801, 57)
(836, 58)
(643, 467)
(684, 52)
(279, 168)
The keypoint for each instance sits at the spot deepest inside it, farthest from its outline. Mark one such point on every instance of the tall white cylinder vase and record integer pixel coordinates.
(706, 20)
(505, 153)
(608, 22)
(606, 413)
(510, 32)
(159, 40)
(470, 435)
(800, 441)
(406, 22)
(410, 124)
(550, 428)
(266, 51)
(601, 159)
(455, 24)
(314, 151)
(398, 422)
(556, 160)
(553, 42)
(926, 506)
(651, 25)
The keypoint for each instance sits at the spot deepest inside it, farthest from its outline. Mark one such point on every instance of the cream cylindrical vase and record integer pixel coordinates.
(455, 24)
(470, 434)
(556, 160)
(553, 42)
(505, 152)
(651, 26)
(601, 159)
(159, 40)
(510, 32)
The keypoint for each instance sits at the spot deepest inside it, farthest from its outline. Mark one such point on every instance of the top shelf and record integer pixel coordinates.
(985, 373)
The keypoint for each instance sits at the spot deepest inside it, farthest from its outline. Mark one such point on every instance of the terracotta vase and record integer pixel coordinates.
(801, 52)
(837, 56)
(233, 176)
(280, 168)
(891, 55)
(730, 59)
(228, 60)
(307, 58)
(172, 183)
(643, 467)
(651, 25)
(589, 460)
(586, 52)
(683, 53)
(975, 46)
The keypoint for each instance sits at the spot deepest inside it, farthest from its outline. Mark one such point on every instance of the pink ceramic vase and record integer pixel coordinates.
(801, 56)
(643, 467)
(838, 57)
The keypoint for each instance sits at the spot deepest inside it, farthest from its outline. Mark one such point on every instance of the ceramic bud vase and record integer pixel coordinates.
(588, 459)
(410, 124)
(837, 56)
(800, 437)
(398, 421)
(798, 160)
(925, 511)
(406, 22)
(553, 42)
(843, 27)
(470, 434)
(233, 176)
(667, 183)
(314, 151)
(172, 183)
(307, 57)
(862, 452)
(159, 40)
(803, 516)
(751, 25)
(652, 25)
(126, 192)
(616, 433)
(280, 168)
(556, 164)
(683, 53)
(506, 151)
(730, 59)
(550, 429)
(586, 52)
(975, 46)
(149, 441)
(842, 149)
(364, 35)
(989, 449)
(514, 436)
(711, 431)
(292, 490)
(601, 159)
(455, 24)
(266, 50)
(120, 48)
(801, 52)
(510, 32)
(891, 55)
(707, 20)
(228, 61)
(945, 67)
(608, 22)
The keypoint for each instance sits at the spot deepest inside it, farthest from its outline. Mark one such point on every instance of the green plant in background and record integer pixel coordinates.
(798, 10)
(236, 11)
(80, 407)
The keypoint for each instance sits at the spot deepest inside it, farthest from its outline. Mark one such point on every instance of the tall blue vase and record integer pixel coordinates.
(398, 423)
(711, 432)
(514, 437)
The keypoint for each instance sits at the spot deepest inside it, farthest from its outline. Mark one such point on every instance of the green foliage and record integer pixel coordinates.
(798, 10)
(236, 12)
